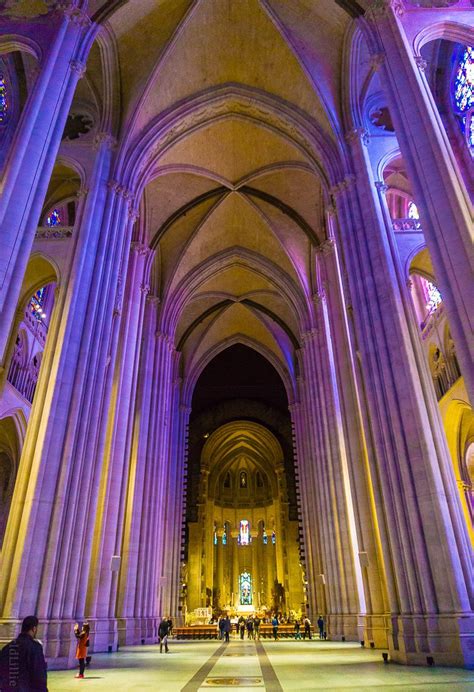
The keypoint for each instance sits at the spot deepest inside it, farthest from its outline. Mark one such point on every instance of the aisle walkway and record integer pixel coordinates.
(275, 666)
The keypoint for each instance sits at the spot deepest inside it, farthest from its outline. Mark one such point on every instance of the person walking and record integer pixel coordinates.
(241, 626)
(163, 631)
(82, 636)
(22, 662)
(227, 626)
(321, 627)
(275, 624)
(307, 628)
(250, 627)
(170, 626)
(297, 629)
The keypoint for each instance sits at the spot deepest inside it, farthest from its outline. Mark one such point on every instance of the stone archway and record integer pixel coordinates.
(243, 526)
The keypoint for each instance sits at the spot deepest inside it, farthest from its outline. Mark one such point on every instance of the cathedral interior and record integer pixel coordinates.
(236, 347)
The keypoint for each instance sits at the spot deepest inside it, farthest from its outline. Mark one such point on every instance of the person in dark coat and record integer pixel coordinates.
(221, 627)
(22, 662)
(275, 624)
(321, 627)
(227, 628)
(163, 631)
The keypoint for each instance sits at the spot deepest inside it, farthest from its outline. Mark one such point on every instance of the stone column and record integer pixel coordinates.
(220, 568)
(35, 147)
(356, 446)
(119, 467)
(440, 193)
(338, 540)
(50, 532)
(419, 515)
(311, 518)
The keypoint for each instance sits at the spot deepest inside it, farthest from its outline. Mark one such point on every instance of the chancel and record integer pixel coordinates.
(236, 351)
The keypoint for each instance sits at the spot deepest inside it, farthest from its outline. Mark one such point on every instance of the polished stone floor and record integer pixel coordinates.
(284, 665)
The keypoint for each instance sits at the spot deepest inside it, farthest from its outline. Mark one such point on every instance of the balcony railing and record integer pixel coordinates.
(54, 232)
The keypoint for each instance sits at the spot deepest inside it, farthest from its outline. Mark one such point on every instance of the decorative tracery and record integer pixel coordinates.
(463, 94)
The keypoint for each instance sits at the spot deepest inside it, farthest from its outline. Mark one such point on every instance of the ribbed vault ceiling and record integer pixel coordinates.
(229, 112)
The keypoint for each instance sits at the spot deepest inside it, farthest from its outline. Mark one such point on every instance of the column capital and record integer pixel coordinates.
(295, 407)
(70, 10)
(144, 289)
(78, 67)
(381, 9)
(377, 60)
(153, 299)
(420, 62)
(330, 210)
(140, 248)
(327, 247)
(381, 186)
(82, 192)
(358, 134)
(309, 335)
(185, 409)
(343, 185)
(106, 139)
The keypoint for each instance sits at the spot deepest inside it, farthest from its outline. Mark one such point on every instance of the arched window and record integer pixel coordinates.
(433, 297)
(245, 588)
(265, 537)
(227, 480)
(215, 535)
(244, 534)
(243, 479)
(274, 538)
(463, 94)
(413, 211)
(37, 304)
(3, 99)
(224, 535)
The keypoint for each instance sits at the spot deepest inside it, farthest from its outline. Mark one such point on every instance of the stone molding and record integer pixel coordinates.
(420, 62)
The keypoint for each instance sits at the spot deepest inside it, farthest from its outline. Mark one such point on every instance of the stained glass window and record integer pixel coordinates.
(244, 534)
(3, 99)
(243, 479)
(274, 538)
(463, 93)
(54, 219)
(245, 588)
(413, 211)
(265, 537)
(433, 297)
(215, 536)
(224, 537)
(37, 303)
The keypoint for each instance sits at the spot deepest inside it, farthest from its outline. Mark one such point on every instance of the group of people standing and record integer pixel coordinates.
(251, 625)
(306, 624)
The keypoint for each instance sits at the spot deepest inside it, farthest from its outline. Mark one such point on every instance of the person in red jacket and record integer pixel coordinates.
(82, 636)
